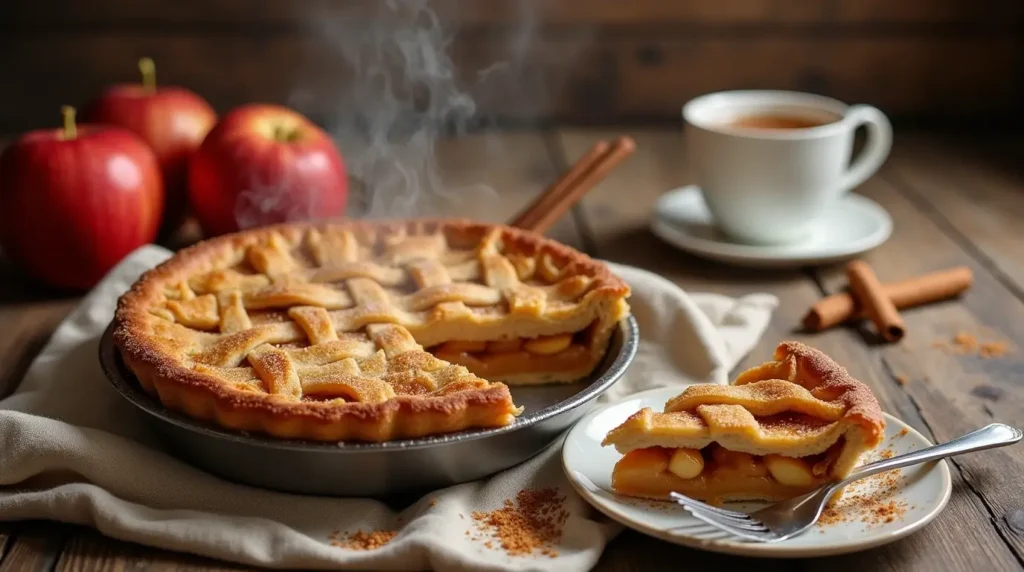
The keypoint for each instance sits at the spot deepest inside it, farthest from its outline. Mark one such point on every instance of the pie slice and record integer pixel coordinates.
(780, 430)
(366, 330)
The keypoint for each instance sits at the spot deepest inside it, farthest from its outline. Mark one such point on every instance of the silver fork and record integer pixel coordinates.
(789, 518)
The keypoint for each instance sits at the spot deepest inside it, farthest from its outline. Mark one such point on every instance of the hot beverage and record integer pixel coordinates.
(779, 121)
(770, 162)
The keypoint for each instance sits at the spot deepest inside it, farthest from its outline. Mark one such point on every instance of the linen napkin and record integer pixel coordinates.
(71, 449)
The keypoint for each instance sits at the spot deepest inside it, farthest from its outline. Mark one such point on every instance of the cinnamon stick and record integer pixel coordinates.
(552, 195)
(917, 291)
(879, 308)
(573, 185)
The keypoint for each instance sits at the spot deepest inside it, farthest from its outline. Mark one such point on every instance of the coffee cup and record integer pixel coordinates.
(769, 163)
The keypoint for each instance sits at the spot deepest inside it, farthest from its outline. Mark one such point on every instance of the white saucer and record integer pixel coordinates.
(851, 226)
(925, 490)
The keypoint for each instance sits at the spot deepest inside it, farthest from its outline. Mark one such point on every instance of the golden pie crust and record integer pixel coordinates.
(318, 331)
(781, 429)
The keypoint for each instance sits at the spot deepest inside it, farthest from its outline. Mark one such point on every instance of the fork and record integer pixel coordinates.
(789, 518)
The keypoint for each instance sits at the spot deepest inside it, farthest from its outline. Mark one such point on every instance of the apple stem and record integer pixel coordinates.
(148, 69)
(70, 130)
(285, 134)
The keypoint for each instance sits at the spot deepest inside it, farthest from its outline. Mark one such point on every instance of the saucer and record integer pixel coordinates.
(852, 225)
(922, 491)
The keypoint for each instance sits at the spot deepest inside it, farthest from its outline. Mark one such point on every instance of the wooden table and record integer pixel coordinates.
(954, 200)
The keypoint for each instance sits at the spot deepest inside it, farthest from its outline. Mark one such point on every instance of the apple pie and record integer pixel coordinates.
(366, 331)
(780, 430)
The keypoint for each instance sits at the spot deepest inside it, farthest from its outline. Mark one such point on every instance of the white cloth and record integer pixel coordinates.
(71, 449)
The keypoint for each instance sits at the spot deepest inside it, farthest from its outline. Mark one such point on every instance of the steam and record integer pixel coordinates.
(405, 94)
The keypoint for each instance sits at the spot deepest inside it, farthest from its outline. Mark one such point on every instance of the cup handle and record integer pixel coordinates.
(875, 151)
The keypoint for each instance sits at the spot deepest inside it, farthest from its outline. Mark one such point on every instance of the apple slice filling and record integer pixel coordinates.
(715, 474)
(566, 352)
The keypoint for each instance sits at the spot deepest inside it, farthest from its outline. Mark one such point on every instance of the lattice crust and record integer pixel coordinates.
(318, 330)
(798, 405)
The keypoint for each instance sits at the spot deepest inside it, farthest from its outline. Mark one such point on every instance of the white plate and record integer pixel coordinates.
(924, 488)
(851, 226)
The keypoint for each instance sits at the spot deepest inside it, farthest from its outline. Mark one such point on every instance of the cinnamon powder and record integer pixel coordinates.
(360, 540)
(531, 523)
(872, 506)
(965, 343)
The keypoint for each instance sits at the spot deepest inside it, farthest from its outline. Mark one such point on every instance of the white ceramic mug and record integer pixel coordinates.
(767, 186)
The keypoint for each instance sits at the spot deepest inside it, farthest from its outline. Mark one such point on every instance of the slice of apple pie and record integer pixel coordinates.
(781, 429)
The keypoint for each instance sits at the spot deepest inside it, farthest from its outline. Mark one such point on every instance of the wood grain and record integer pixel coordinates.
(514, 77)
(34, 546)
(89, 551)
(29, 313)
(972, 188)
(44, 15)
(6, 534)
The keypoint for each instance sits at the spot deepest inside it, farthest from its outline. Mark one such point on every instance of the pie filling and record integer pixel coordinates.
(715, 474)
(557, 353)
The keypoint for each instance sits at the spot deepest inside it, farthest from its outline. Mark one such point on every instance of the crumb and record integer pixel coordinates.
(901, 379)
(994, 349)
(965, 343)
(433, 502)
(902, 432)
(655, 504)
(360, 540)
(533, 522)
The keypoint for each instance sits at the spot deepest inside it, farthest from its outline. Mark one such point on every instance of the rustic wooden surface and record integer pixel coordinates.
(953, 200)
(577, 60)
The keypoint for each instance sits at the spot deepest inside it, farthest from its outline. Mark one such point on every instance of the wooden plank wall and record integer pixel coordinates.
(570, 61)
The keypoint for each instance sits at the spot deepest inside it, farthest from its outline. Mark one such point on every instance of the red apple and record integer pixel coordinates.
(172, 120)
(264, 164)
(75, 201)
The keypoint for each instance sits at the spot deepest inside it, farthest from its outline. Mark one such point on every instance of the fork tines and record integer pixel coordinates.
(739, 523)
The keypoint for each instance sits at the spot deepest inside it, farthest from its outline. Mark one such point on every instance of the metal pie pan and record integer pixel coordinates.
(410, 466)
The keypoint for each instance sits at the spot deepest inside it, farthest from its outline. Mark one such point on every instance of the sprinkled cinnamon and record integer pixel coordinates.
(531, 523)
(869, 501)
(360, 540)
(994, 349)
(965, 343)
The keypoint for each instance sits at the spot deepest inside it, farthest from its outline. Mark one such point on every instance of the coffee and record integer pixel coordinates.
(778, 121)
